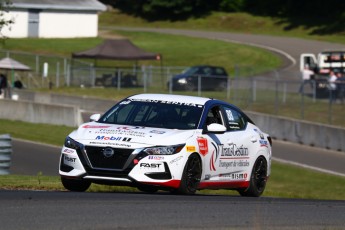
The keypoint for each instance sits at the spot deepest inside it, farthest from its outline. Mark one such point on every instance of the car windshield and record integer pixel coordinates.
(191, 70)
(158, 114)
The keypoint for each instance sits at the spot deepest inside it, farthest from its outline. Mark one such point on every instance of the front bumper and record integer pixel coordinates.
(125, 167)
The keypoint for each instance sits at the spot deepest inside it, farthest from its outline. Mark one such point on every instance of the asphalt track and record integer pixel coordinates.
(67, 210)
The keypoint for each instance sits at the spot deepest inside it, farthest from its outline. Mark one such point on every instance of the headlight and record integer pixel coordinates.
(72, 144)
(182, 81)
(164, 150)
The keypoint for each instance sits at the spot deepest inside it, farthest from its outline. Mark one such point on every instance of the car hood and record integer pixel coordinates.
(179, 76)
(125, 136)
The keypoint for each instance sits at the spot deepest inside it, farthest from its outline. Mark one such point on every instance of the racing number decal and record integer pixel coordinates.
(203, 146)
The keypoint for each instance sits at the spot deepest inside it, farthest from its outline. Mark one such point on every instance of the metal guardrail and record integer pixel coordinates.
(5, 153)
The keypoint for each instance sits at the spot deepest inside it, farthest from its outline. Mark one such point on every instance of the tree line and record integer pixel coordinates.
(330, 14)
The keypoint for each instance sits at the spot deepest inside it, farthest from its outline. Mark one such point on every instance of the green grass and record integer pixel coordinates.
(177, 51)
(226, 22)
(286, 181)
(43, 133)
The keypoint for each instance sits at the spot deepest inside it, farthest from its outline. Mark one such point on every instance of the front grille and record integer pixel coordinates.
(114, 162)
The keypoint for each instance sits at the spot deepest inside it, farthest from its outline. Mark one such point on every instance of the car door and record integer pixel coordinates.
(228, 158)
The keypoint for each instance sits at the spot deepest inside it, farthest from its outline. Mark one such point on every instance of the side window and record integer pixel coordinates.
(235, 121)
(214, 115)
(219, 72)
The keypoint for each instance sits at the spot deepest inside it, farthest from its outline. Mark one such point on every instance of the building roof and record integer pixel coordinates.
(89, 5)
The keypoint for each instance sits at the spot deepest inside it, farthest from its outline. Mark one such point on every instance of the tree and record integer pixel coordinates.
(4, 22)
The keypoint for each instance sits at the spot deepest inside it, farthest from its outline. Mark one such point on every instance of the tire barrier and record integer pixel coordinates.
(5, 154)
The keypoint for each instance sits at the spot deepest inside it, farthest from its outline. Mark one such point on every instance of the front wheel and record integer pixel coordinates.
(258, 179)
(191, 175)
(75, 185)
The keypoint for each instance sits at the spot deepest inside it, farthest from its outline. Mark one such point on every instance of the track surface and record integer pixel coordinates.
(67, 210)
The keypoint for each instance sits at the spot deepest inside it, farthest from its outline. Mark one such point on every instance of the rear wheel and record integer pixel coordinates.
(75, 185)
(191, 175)
(257, 179)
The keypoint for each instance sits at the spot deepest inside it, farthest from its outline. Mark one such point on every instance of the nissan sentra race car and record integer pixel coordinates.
(168, 142)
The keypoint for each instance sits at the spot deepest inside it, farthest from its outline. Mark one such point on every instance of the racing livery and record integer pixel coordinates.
(169, 142)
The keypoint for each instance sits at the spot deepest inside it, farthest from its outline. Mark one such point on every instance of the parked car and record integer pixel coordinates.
(110, 80)
(209, 78)
(168, 142)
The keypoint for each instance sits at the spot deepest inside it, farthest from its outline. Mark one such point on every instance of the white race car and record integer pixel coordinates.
(169, 142)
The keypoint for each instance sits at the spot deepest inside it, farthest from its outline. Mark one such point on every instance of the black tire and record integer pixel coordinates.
(75, 185)
(191, 175)
(258, 179)
(147, 188)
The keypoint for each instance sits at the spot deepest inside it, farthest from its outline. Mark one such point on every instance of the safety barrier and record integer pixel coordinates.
(5, 154)
(302, 132)
(40, 113)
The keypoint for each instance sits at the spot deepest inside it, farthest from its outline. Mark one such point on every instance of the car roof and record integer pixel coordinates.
(171, 98)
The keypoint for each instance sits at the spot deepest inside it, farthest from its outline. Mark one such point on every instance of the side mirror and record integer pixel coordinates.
(216, 128)
(95, 117)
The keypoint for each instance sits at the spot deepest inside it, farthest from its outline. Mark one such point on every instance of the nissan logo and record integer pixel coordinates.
(108, 152)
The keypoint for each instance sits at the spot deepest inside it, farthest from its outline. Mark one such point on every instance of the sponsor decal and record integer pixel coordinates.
(130, 127)
(233, 164)
(238, 155)
(68, 151)
(229, 115)
(110, 144)
(69, 159)
(234, 176)
(159, 158)
(112, 138)
(190, 149)
(212, 161)
(128, 131)
(107, 138)
(234, 151)
(203, 146)
(263, 143)
(96, 126)
(157, 131)
(167, 102)
(214, 156)
(176, 160)
(150, 165)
